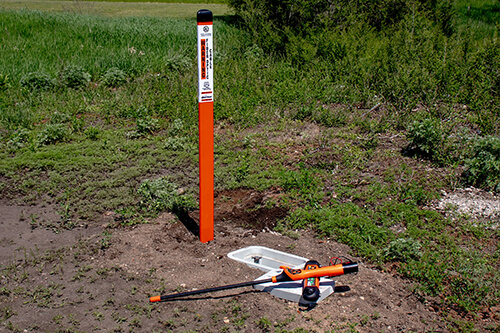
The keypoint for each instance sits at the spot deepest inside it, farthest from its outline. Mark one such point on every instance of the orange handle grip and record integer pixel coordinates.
(300, 274)
(155, 299)
(334, 270)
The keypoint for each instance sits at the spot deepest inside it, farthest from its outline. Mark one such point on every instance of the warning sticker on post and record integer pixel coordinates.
(205, 62)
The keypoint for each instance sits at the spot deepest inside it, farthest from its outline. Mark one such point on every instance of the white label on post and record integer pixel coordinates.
(205, 63)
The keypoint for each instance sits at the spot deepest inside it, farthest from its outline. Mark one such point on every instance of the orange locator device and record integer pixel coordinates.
(310, 285)
(206, 123)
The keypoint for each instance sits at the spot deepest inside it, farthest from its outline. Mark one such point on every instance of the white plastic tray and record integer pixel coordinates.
(269, 261)
(266, 259)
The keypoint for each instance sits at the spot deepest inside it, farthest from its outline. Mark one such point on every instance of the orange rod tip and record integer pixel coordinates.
(155, 299)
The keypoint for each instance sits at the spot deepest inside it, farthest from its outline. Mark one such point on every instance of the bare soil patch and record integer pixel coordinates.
(33, 230)
(88, 282)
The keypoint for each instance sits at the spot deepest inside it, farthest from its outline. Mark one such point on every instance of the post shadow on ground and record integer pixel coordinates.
(190, 223)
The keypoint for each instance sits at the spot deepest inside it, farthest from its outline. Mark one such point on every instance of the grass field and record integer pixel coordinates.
(186, 9)
(160, 1)
(91, 107)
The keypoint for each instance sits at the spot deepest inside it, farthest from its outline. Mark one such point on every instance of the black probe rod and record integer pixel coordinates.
(208, 290)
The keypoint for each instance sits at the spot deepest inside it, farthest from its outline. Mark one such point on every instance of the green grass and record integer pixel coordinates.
(96, 44)
(159, 1)
(88, 149)
(481, 11)
(172, 9)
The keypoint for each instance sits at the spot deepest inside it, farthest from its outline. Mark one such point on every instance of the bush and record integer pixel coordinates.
(19, 139)
(403, 250)
(52, 133)
(483, 168)
(146, 125)
(160, 194)
(177, 62)
(37, 80)
(425, 136)
(92, 133)
(177, 143)
(74, 77)
(114, 78)
(274, 23)
(177, 127)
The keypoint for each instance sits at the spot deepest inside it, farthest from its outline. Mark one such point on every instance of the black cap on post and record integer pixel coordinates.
(204, 15)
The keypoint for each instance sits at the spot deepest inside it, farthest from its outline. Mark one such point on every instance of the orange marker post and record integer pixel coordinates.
(206, 123)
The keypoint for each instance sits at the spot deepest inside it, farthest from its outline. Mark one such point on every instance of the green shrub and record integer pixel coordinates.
(184, 203)
(286, 25)
(146, 125)
(19, 139)
(425, 136)
(386, 13)
(92, 133)
(272, 22)
(37, 80)
(160, 194)
(74, 77)
(114, 77)
(176, 127)
(483, 168)
(177, 62)
(403, 250)
(177, 143)
(300, 50)
(52, 133)
(444, 15)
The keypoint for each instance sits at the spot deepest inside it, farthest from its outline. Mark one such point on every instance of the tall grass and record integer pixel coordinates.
(172, 9)
(415, 64)
(159, 1)
(37, 41)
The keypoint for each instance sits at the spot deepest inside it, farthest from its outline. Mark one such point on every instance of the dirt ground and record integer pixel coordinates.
(99, 279)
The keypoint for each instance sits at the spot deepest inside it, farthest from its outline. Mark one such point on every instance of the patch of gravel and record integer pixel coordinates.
(473, 202)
